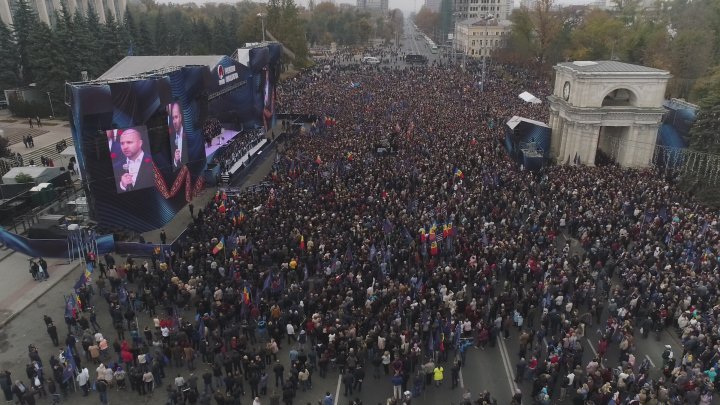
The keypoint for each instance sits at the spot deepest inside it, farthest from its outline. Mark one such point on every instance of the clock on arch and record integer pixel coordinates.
(566, 91)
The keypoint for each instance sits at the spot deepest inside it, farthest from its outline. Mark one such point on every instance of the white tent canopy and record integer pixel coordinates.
(529, 98)
(69, 151)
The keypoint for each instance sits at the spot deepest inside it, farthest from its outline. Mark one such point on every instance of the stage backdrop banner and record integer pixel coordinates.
(231, 94)
(53, 248)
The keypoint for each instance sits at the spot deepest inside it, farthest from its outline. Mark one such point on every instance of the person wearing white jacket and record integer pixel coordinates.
(83, 378)
(683, 321)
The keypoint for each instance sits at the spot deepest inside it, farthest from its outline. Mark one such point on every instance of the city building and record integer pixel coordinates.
(48, 9)
(530, 4)
(477, 37)
(373, 5)
(500, 9)
(433, 5)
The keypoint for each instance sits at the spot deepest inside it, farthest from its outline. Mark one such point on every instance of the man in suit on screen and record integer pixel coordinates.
(178, 140)
(135, 168)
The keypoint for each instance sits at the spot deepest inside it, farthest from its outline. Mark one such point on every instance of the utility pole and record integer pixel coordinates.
(484, 56)
(52, 110)
(262, 22)
(482, 82)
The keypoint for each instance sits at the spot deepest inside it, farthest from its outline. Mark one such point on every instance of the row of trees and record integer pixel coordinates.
(32, 52)
(48, 56)
(681, 36)
(327, 23)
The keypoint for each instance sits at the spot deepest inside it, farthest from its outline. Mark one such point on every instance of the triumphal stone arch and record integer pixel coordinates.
(606, 110)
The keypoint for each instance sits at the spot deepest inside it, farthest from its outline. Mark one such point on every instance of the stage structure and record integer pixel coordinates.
(597, 105)
(140, 130)
(527, 142)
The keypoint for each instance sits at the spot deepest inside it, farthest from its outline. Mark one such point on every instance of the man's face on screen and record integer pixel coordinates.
(176, 117)
(131, 143)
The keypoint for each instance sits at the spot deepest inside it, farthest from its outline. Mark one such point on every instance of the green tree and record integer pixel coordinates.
(547, 25)
(48, 62)
(145, 41)
(162, 39)
(597, 37)
(9, 61)
(25, 21)
(4, 147)
(222, 40)
(84, 48)
(112, 41)
(704, 134)
(521, 46)
(130, 27)
(202, 42)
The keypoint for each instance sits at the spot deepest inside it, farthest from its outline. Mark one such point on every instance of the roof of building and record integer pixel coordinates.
(481, 22)
(608, 66)
(517, 120)
(135, 65)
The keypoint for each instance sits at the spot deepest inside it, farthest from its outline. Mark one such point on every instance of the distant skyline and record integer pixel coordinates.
(407, 6)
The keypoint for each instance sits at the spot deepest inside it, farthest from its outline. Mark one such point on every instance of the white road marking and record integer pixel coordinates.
(591, 347)
(507, 365)
(462, 383)
(650, 360)
(337, 391)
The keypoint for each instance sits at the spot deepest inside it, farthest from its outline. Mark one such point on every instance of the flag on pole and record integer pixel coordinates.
(302, 242)
(246, 296)
(268, 281)
(85, 276)
(434, 249)
(459, 173)
(388, 226)
(69, 305)
(220, 246)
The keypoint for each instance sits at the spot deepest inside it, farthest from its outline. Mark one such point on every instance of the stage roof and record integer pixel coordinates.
(135, 65)
(516, 120)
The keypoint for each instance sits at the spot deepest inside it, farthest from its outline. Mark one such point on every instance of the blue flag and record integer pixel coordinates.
(388, 226)
(268, 281)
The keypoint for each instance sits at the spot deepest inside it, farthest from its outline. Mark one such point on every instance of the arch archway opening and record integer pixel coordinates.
(620, 98)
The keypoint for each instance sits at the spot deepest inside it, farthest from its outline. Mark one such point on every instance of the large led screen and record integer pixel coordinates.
(131, 160)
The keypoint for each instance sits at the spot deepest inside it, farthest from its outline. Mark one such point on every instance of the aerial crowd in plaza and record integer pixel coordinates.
(394, 264)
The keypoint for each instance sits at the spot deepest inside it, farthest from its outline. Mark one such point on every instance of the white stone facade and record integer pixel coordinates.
(611, 106)
(477, 37)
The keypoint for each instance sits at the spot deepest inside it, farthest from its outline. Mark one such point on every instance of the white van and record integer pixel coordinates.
(371, 60)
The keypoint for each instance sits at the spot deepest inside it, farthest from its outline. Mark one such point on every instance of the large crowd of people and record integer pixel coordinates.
(393, 266)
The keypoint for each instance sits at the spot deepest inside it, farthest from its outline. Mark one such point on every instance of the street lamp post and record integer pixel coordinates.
(52, 110)
(262, 22)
